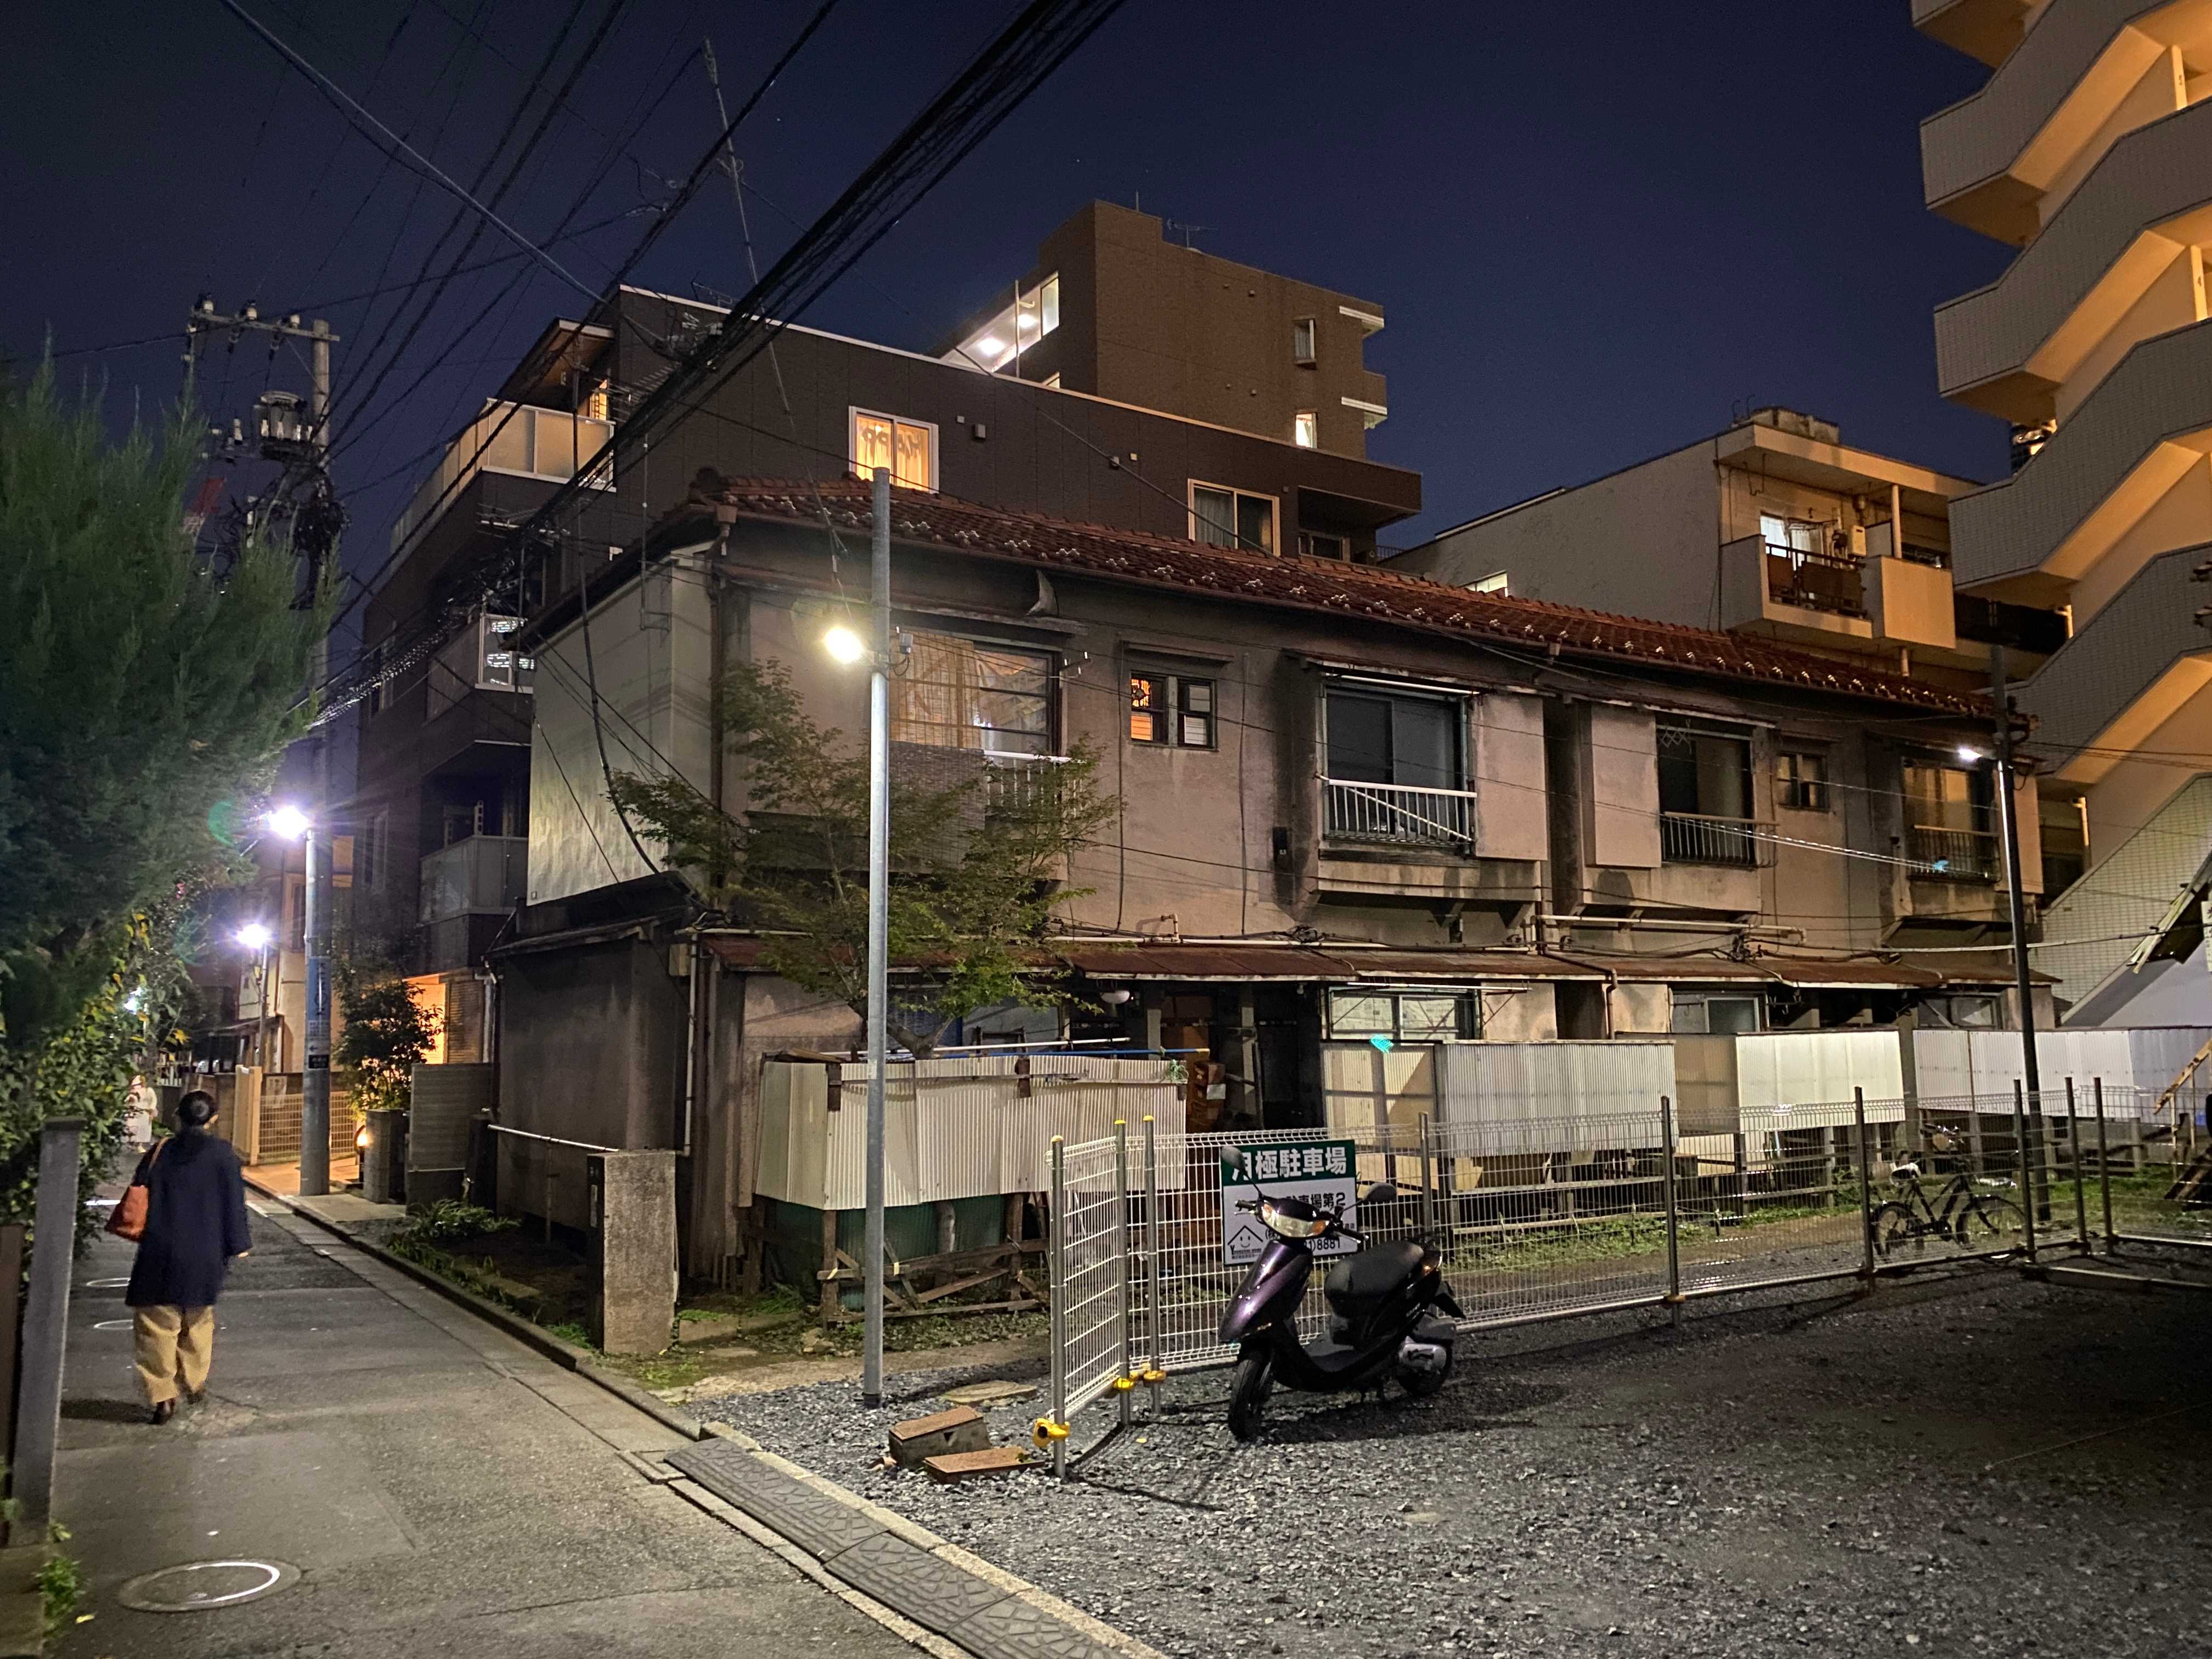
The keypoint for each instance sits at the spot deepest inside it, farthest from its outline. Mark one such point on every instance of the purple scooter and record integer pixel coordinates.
(1380, 1300)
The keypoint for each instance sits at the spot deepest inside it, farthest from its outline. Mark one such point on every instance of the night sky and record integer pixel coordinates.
(1597, 227)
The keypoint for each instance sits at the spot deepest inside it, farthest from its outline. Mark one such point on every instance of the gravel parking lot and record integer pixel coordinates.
(1977, 1465)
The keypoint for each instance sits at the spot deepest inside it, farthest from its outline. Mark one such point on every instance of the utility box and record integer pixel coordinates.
(631, 1221)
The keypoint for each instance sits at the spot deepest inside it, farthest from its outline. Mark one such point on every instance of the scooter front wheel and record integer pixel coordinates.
(1248, 1388)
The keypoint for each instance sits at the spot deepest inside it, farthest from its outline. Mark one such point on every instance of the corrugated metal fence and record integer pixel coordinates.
(1548, 1218)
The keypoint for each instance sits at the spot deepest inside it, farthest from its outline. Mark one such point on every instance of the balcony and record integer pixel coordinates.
(1700, 838)
(519, 440)
(2015, 627)
(1399, 815)
(482, 875)
(1949, 855)
(1816, 581)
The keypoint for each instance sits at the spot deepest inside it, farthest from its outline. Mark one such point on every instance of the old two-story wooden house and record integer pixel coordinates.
(1350, 803)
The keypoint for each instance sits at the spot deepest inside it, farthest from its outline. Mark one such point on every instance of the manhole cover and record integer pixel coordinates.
(112, 1325)
(105, 1283)
(198, 1586)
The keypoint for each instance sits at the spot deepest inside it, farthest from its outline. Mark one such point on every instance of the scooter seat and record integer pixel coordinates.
(1361, 1280)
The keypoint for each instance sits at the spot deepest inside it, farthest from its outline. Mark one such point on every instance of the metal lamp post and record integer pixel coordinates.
(315, 1079)
(843, 644)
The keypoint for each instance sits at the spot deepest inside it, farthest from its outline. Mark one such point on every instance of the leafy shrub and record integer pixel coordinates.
(448, 1222)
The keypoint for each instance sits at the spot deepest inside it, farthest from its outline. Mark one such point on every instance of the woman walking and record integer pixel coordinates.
(195, 1225)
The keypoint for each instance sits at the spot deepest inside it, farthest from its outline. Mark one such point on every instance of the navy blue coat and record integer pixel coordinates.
(194, 1221)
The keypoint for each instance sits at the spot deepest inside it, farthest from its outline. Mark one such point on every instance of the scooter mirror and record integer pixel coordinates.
(1383, 1193)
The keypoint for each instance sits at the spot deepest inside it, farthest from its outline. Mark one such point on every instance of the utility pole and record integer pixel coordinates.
(2023, 983)
(879, 864)
(304, 494)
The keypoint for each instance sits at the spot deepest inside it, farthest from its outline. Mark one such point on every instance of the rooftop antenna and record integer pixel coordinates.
(1187, 230)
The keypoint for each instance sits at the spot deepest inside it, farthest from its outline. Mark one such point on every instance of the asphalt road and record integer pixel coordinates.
(441, 1489)
(1982, 1466)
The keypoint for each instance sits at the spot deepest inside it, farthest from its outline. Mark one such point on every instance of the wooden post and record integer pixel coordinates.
(830, 1301)
(11, 1309)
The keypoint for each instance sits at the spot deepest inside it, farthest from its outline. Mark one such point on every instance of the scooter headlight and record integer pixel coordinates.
(1291, 1226)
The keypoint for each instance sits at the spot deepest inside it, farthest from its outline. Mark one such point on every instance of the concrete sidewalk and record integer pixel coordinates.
(441, 1488)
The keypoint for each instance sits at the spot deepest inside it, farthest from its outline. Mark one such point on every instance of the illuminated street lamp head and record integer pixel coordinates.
(843, 644)
(288, 822)
(1968, 753)
(255, 936)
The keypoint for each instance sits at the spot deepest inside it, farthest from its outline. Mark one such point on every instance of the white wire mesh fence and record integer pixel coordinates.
(1541, 1219)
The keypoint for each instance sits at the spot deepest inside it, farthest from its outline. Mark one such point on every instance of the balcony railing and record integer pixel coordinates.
(1700, 838)
(1399, 814)
(1945, 854)
(481, 875)
(1816, 581)
(522, 440)
(1993, 622)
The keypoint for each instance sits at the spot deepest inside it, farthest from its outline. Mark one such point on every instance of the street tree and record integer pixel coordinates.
(387, 1032)
(979, 856)
(145, 696)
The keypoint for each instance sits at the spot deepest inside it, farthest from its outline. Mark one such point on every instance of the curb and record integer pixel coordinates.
(565, 1354)
(1076, 1622)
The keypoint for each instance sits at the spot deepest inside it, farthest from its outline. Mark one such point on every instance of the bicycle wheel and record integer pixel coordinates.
(1896, 1234)
(1992, 1224)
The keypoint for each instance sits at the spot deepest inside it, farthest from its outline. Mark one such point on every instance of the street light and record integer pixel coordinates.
(845, 644)
(294, 824)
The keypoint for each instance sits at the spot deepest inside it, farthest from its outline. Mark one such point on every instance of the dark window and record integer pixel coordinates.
(1704, 796)
(1231, 518)
(2065, 844)
(1949, 821)
(1801, 781)
(1171, 708)
(1302, 340)
(1314, 546)
(1376, 737)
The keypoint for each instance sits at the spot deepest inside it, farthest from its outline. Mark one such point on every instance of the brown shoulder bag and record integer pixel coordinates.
(129, 1220)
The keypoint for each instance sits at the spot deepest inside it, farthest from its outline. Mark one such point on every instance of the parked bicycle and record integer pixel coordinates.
(1971, 1214)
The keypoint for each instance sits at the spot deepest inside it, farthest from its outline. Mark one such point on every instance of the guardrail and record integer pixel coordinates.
(1700, 838)
(1954, 854)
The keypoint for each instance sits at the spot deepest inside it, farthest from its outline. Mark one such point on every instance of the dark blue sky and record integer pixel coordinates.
(1597, 227)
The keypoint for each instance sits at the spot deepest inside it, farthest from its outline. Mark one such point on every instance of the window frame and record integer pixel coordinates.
(1309, 356)
(1794, 792)
(854, 413)
(1305, 429)
(1172, 708)
(1467, 1021)
(1342, 543)
(1723, 732)
(1274, 547)
(1054, 666)
(1458, 704)
(1499, 582)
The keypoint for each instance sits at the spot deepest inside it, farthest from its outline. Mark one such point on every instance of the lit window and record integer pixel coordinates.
(1050, 307)
(1052, 380)
(1801, 781)
(1405, 1016)
(1302, 340)
(1498, 581)
(1171, 708)
(951, 693)
(1305, 429)
(909, 448)
(1231, 518)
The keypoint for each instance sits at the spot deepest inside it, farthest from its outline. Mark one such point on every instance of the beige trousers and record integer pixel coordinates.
(175, 1346)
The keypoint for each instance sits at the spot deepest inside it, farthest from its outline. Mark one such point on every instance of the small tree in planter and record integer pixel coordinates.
(387, 1033)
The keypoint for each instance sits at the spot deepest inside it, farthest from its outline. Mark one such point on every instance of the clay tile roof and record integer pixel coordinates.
(1416, 602)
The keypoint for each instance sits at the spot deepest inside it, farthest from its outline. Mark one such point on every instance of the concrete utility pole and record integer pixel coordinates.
(879, 911)
(2023, 983)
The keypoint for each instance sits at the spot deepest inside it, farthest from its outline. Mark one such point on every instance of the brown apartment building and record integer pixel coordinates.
(1391, 801)
(1160, 417)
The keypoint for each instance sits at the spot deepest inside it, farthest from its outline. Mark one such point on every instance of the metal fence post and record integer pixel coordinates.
(1674, 1220)
(2026, 1177)
(1866, 1189)
(2074, 1155)
(1428, 1181)
(46, 1328)
(1127, 1380)
(2104, 1162)
(1155, 1373)
(1059, 1244)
